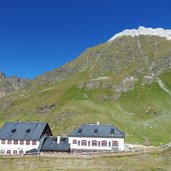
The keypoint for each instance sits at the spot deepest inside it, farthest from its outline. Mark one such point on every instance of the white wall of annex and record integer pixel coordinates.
(17, 147)
(76, 146)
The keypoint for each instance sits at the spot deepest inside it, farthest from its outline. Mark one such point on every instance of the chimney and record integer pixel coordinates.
(58, 139)
(98, 123)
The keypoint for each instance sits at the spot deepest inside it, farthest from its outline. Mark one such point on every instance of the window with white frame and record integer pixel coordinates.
(8, 151)
(83, 143)
(104, 143)
(34, 142)
(2, 151)
(15, 142)
(21, 142)
(27, 142)
(115, 143)
(9, 142)
(94, 143)
(74, 141)
(2, 141)
(14, 151)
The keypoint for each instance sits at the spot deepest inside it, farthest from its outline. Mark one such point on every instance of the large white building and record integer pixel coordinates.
(97, 137)
(20, 137)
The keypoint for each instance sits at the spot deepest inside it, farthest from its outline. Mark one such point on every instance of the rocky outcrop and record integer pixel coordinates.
(160, 65)
(125, 85)
(11, 84)
(46, 108)
(148, 79)
(93, 84)
(2, 75)
(17, 82)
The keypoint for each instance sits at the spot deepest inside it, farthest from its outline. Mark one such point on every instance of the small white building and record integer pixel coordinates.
(93, 137)
(20, 137)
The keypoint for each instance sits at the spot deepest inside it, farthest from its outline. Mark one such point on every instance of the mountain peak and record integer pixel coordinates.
(144, 31)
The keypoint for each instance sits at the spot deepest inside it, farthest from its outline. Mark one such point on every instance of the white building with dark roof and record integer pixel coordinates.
(95, 137)
(20, 137)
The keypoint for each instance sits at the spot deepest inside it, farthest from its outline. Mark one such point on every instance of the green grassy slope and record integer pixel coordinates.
(144, 112)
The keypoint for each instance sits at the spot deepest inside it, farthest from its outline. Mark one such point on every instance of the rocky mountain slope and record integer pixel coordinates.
(118, 64)
(11, 84)
(124, 81)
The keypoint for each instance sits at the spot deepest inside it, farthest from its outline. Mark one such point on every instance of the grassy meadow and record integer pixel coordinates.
(141, 162)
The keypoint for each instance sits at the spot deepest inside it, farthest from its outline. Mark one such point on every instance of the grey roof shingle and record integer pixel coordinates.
(50, 144)
(22, 130)
(97, 130)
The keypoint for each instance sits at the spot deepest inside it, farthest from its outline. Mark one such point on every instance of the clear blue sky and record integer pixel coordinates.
(39, 35)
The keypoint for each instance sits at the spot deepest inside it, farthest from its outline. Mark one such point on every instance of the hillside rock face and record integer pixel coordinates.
(11, 84)
(123, 61)
(2, 75)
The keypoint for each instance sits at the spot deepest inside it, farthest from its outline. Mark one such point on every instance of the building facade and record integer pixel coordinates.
(94, 137)
(19, 137)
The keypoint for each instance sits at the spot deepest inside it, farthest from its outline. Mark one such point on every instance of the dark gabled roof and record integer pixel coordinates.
(50, 144)
(97, 130)
(22, 130)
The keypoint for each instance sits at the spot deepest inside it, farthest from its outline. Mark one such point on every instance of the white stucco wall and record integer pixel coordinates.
(98, 147)
(17, 147)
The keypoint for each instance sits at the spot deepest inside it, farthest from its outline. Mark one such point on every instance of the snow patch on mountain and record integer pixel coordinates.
(144, 31)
